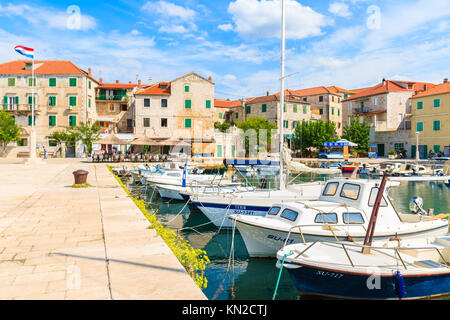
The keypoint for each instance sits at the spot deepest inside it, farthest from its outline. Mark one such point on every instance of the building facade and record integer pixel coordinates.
(180, 110)
(64, 96)
(431, 120)
(386, 108)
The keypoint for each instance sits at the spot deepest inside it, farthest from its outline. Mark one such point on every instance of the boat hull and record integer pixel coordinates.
(264, 242)
(314, 281)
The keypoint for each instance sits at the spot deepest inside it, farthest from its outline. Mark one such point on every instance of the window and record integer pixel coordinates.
(264, 108)
(289, 214)
(208, 104)
(320, 98)
(350, 191)
(52, 82)
(419, 105)
(30, 120)
(89, 84)
(437, 103)
(72, 101)
(163, 103)
(186, 88)
(124, 107)
(52, 121)
(399, 146)
(30, 100)
(72, 121)
(112, 107)
(219, 151)
(437, 148)
(72, 82)
(22, 142)
(32, 82)
(332, 111)
(321, 111)
(237, 115)
(146, 103)
(89, 102)
(188, 123)
(419, 126)
(294, 124)
(339, 112)
(274, 211)
(373, 197)
(326, 218)
(52, 143)
(286, 124)
(11, 82)
(436, 125)
(248, 110)
(375, 101)
(305, 99)
(305, 109)
(330, 189)
(285, 108)
(187, 104)
(220, 115)
(163, 123)
(352, 218)
(146, 122)
(295, 108)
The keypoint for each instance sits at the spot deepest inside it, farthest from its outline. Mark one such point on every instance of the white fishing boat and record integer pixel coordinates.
(218, 207)
(175, 177)
(180, 193)
(342, 212)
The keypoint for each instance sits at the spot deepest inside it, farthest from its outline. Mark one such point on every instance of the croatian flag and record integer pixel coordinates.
(27, 52)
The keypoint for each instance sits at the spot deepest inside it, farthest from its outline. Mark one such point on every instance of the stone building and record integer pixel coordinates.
(228, 111)
(430, 111)
(64, 97)
(386, 107)
(179, 110)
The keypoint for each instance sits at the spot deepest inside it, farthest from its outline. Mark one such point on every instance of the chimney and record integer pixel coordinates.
(210, 79)
(100, 80)
(90, 72)
(129, 82)
(268, 93)
(150, 80)
(117, 81)
(384, 81)
(446, 80)
(139, 82)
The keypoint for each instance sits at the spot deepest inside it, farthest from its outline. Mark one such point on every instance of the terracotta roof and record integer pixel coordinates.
(156, 90)
(438, 89)
(117, 86)
(320, 90)
(49, 67)
(289, 96)
(391, 86)
(220, 103)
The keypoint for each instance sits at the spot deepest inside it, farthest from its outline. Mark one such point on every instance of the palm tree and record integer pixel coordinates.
(88, 133)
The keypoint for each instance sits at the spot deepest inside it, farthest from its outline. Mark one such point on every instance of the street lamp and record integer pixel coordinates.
(417, 146)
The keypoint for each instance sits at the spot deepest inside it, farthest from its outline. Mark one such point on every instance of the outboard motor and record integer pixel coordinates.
(416, 205)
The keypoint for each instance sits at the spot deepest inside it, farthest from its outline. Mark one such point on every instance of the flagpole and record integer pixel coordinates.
(282, 98)
(33, 129)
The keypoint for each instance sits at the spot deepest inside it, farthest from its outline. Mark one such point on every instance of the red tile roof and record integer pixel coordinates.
(438, 89)
(289, 96)
(44, 67)
(320, 90)
(117, 86)
(220, 103)
(156, 89)
(391, 86)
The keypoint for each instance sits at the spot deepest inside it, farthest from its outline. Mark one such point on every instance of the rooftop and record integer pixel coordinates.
(438, 89)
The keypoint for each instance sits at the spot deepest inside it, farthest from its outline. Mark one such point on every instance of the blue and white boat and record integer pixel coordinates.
(393, 269)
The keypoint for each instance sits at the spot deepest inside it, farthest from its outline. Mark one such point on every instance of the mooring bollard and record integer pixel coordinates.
(80, 176)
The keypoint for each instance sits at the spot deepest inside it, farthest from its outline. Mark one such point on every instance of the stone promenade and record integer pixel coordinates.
(57, 242)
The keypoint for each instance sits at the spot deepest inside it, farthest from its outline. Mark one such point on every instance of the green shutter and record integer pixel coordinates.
(32, 82)
(208, 104)
(248, 109)
(437, 103)
(52, 101)
(73, 101)
(52, 121)
(72, 121)
(220, 115)
(339, 112)
(73, 82)
(17, 100)
(419, 105)
(437, 148)
(285, 108)
(436, 125)
(187, 104)
(52, 82)
(186, 88)
(305, 109)
(419, 126)
(237, 115)
(219, 151)
(5, 102)
(29, 120)
(89, 84)
(295, 108)
(11, 82)
(264, 108)
(187, 123)
(89, 102)
(332, 111)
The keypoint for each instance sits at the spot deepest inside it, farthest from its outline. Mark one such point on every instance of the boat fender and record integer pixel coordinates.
(399, 285)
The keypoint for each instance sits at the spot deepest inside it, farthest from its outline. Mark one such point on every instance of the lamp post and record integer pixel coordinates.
(417, 146)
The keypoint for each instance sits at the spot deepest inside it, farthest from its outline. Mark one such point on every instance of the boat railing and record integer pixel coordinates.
(396, 250)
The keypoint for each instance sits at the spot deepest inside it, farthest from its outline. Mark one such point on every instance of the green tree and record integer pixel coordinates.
(259, 125)
(223, 127)
(9, 131)
(61, 136)
(359, 133)
(88, 133)
(313, 134)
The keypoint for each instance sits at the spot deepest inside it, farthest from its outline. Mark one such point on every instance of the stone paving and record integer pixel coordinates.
(57, 242)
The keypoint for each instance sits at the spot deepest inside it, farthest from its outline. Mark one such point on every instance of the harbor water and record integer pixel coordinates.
(242, 278)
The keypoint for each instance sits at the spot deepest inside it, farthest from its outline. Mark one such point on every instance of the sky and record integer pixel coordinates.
(348, 43)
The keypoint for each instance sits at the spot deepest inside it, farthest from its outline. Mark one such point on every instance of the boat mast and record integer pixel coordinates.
(373, 218)
(283, 47)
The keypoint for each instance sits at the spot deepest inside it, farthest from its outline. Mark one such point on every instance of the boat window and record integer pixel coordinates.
(330, 189)
(274, 211)
(289, 214)
(350, 191)
(173, 174)
(326, 218)
(353, 218)
(373, 197)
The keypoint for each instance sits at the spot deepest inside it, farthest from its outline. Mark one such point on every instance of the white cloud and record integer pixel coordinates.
(40, 16)
(225, 27)
(339, 9)
(171, 18)
(262, 19)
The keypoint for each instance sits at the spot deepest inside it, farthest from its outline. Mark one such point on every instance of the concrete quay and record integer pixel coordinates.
(57, 242)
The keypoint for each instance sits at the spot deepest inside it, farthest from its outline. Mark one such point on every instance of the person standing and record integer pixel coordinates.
(45, 153)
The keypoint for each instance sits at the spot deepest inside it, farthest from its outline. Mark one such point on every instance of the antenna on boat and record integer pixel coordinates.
(283, 47)
(373, 218)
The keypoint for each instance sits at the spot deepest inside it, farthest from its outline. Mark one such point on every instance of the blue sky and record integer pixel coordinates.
(348, 43)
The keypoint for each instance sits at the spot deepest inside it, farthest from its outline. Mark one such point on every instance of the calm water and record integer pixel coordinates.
(255, 279)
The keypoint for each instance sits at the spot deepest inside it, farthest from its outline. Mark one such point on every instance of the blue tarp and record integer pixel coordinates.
(250, 162)
(336, 144)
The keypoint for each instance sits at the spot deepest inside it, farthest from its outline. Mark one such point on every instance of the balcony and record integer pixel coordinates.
(111, 98)
(20, 108)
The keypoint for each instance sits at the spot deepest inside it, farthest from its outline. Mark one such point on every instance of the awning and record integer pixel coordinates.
(144, 141)
(112, 140)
